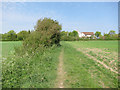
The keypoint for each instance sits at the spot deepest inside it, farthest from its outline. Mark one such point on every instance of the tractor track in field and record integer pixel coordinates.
(60, 72)
(107, 67)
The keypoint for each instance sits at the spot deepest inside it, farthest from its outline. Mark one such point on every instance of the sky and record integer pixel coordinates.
(82, 16)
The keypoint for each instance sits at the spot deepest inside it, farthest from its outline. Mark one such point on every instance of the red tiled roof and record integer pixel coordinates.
(88, 33)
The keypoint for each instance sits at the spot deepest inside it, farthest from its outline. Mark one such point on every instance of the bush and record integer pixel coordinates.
(31, 71)
(22, 35)
(47, 33)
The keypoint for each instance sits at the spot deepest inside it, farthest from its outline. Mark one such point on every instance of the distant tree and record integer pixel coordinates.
(115, 36)
(63, 33)
(11, 35)
(97, 34)
(22, 35)
(4, 36)
(111, 32)
(70, 34)
(111, 35)
(74, 33)
(101, 37)
(105, 34)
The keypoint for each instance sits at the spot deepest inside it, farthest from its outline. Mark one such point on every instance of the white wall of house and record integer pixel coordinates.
(88, 35)
(81, 34)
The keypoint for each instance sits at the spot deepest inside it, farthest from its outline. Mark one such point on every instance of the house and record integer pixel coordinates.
(85, 34)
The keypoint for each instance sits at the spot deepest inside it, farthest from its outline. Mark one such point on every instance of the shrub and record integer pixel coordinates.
(22, 35)
(47, 33)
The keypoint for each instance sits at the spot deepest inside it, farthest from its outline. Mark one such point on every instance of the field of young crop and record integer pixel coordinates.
(75, 64)
(8, 47)
(91, 64)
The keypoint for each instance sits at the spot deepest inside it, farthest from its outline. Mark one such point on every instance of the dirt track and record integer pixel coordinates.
(60, 77)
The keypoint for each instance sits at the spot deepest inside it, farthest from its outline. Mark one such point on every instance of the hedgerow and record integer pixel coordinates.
(46, 34)
(34, 64)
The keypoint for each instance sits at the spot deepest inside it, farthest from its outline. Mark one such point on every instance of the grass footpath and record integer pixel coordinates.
(83, 72)
(60, 72)
(39, 71)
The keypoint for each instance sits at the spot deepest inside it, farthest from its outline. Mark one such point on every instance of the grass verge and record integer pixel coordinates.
(38, 71)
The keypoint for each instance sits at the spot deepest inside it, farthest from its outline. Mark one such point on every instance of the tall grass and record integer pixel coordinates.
(37, 70)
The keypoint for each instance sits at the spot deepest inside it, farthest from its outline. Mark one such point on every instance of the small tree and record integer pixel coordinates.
(97, 34)
(22, 35)
(106, 36)
(63, 33)
(111, 32)
(74, 34)
(11, 35)
(47, 33)
(4, 36)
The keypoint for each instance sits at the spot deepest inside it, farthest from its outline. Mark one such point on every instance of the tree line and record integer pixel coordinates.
(22, 35)
(13, 36)
(107, 36)
(64, 36)
(73, 36)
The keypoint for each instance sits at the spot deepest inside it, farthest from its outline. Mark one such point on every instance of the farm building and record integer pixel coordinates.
(85, 34)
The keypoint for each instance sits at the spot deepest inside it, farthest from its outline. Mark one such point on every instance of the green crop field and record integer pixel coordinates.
(75, 64)
(8, 47)
(91, 64)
